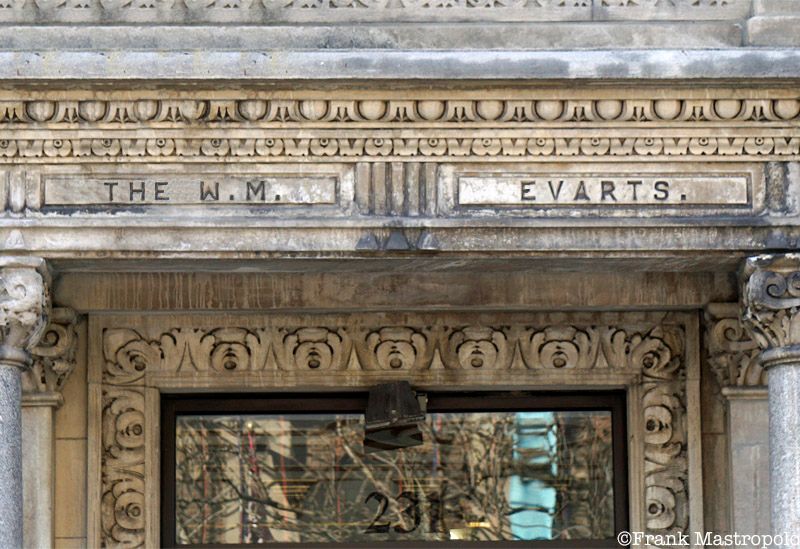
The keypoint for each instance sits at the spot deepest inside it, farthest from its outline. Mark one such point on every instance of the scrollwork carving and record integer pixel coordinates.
(560, 347)
(128, 356)
(771, 300)
(24, 302)
(652, 357)
(653, 354)
(54, 355)
(474, 347)
(664, 404)
(395, 348)
(314, 349)
(731, 352)
(123, 501)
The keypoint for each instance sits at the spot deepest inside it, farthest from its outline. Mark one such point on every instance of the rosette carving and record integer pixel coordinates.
(314, 349)
(560, 347)
(771, 300)
(128, 355)
(395, 348)
(235, 349)
(475, 347)
(655, 354)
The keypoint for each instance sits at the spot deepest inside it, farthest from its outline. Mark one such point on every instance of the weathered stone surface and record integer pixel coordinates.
(774, 31)
(24, 300)
(381, 36)
(343, 11)
(216, 67)
(38, 479)
(587, 190)
(771, 311)
(775, 7)
(647, 352)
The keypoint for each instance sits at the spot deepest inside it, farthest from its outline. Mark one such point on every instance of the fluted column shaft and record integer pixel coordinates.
(23, 315)
(771, 311)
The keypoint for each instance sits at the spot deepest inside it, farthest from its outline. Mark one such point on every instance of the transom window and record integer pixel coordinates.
(493, 469)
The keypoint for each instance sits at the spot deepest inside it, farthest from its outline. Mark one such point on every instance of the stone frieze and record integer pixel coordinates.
(521, 127)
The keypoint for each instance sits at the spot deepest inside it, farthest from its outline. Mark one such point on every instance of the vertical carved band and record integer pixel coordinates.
(24, 300)
(771, 303)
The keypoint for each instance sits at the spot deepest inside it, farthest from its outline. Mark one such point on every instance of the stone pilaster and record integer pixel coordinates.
(24, 299)
(53, 360)
(771, 313)
(737, 422)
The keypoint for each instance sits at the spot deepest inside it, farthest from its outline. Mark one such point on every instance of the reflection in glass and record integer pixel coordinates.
(479, 476)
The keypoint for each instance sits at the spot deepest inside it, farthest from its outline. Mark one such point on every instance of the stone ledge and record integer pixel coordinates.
(381, 35)
(290, 241)
(336, 66)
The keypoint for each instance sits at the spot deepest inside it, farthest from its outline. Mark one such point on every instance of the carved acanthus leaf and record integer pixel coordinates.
(54, 356)
(731, 352)
(771, 300)
(24, 302)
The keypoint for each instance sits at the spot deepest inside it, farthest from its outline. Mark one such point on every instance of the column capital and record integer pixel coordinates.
(24, 303)
(53, 360)
(771, 306)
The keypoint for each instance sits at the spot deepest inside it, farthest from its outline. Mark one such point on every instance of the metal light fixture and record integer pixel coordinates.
(392, 418)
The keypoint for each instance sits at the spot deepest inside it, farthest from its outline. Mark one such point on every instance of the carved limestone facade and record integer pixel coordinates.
(652, 357)
(458, 125)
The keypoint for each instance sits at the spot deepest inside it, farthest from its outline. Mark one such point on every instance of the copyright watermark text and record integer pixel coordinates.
(707, 539)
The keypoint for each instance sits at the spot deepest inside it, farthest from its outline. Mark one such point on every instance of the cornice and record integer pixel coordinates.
(347, 126)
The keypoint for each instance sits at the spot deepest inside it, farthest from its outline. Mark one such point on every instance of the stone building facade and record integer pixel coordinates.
(237, 197)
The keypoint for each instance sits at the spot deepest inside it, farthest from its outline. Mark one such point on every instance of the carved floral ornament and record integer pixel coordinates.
(336, 130)
(54, 355)
(653, 357)
(771, 305)
(731, 351)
